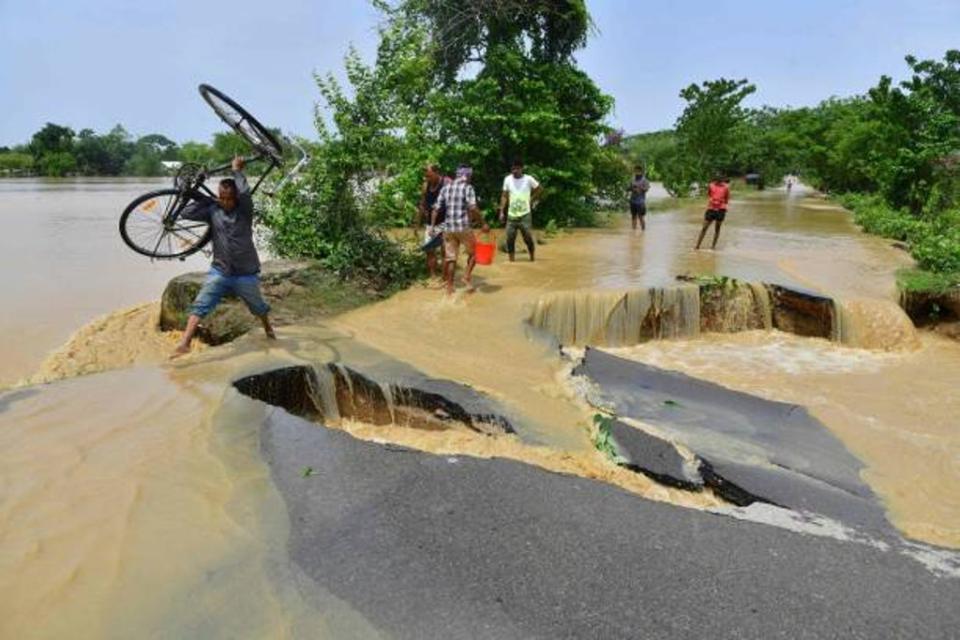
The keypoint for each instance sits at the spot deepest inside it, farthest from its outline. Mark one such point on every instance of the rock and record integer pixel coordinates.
(298, 291)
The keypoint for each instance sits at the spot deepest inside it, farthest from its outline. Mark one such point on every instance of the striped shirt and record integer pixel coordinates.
(458, 197)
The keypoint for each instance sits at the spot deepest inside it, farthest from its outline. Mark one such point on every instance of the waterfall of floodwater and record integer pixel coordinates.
(761, 300)
(735, 306)
(677, 311)
(387, 390)
(323, 392)
(873, 324)
(617, 318)
(343, 371)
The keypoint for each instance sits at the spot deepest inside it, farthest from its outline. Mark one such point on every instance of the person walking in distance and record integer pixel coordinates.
(520, 194)
(718, 195)
(236, 266)
(638, 198)
(460, 202)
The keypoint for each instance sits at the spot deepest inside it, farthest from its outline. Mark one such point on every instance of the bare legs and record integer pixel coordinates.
(703, 232)
(450, 272)
(184, 347)
(191, 329)
(432, 263)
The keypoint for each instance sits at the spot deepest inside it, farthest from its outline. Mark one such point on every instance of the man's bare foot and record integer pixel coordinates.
(271, 334)
(181, 350)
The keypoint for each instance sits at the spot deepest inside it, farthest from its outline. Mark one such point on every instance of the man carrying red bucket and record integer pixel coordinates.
(459, 200)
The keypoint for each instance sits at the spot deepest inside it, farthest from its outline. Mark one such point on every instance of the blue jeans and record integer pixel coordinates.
(217, 285)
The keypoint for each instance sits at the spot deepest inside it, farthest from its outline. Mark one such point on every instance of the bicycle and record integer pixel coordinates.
(151, 225)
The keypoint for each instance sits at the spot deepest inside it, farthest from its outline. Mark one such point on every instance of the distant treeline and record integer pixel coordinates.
(56, 150)
(893, 152)
(899, 141)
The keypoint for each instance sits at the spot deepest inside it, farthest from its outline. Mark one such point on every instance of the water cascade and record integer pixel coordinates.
(722, 305)
(619, 318)
(874, 324)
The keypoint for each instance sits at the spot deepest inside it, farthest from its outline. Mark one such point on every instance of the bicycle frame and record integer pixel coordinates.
(273, 163)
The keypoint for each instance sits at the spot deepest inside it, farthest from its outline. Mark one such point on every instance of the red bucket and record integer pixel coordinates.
(484, 250)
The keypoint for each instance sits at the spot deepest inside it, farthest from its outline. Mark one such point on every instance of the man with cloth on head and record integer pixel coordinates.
(459, 200)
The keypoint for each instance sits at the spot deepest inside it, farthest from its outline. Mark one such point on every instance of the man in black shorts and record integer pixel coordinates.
(638, 198)
(718, 195)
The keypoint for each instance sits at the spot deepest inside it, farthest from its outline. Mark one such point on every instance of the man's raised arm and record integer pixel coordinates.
(244, 199)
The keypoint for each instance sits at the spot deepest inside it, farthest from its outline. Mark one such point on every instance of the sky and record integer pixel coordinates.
(96, 63)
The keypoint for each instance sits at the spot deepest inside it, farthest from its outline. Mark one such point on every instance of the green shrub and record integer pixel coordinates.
(934, 241)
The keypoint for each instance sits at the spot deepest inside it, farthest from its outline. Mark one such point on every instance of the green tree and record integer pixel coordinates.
(652, 150)
(710, 132)
(103, 155)
(196, 152)
(15, 163)
(527, 99)
(226, 145)
(162, 146)
(57, 164)
(52, 138)
(52, 150)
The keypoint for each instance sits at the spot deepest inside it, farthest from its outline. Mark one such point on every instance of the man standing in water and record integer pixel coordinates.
(460, 201)
(433, 181)
(638, 198)
(236, 266)
(718, 194)
(520, 194)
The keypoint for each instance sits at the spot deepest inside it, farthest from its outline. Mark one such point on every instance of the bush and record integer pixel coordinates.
(319, 218)
(934, 241)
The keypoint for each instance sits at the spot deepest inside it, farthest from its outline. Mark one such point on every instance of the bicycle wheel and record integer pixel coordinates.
(242, 122)
(144, 226)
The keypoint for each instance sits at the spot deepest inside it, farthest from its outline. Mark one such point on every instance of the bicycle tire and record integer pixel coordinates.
(240, 120)
(143, 230)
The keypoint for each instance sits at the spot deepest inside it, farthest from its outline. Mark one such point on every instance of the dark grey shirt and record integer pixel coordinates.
(233, 251)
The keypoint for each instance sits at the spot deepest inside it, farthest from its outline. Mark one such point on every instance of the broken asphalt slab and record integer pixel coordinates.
(752, 449)
(426, 546)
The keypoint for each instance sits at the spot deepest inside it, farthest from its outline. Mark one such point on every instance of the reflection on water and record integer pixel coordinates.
(136, 499)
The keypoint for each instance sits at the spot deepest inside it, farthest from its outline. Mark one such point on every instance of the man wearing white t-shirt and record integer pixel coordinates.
(520, 194)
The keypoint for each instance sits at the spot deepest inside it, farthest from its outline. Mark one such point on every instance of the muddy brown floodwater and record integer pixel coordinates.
(135, 502)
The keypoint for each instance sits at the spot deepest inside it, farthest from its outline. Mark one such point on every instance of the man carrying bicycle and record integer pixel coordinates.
(236, 265)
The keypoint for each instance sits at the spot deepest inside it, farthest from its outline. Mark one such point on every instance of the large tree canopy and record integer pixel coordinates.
(479, 82)
(472, 31)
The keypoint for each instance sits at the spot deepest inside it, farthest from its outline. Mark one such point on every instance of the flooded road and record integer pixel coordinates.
(137, 499)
